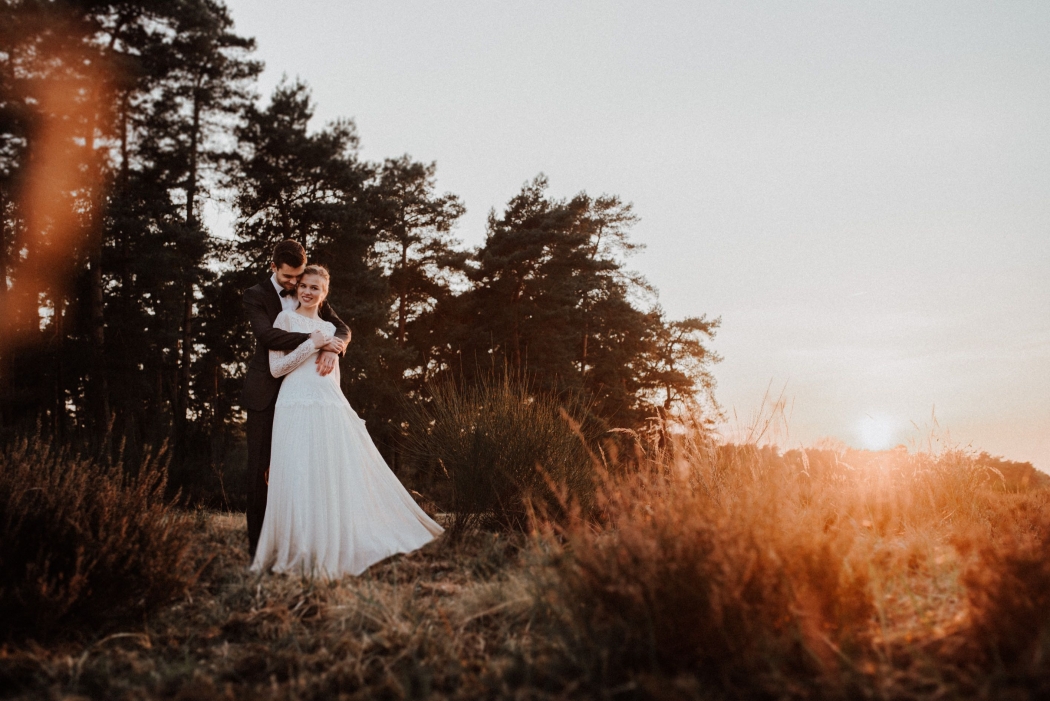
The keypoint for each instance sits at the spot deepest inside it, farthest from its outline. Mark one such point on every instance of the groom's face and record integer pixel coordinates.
(287, 276)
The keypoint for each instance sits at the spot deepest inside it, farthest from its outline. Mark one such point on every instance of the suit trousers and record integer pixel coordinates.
(259, 434)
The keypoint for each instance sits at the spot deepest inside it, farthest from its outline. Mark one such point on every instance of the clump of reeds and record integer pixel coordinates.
(84, 543)
(500, 446)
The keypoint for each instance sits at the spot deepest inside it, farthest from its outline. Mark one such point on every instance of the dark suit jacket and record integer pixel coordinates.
(262, 304)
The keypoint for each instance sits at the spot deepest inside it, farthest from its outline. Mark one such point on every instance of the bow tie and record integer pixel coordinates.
(286, 293)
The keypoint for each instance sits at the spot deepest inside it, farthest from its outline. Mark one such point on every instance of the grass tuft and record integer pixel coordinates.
(730, 588)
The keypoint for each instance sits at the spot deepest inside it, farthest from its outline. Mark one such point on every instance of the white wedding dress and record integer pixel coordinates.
(333, 506)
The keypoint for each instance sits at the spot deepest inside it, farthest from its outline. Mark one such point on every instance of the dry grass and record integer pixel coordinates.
(428, 624)
(730, 571)
(708, 571)
(1008, 589)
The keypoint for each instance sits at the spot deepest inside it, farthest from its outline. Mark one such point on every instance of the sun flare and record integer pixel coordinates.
(877, 431)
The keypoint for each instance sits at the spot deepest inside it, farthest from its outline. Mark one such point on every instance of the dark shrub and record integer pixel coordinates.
(82, 543)
(498, 445)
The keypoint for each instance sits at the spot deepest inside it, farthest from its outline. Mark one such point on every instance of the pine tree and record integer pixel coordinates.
(551, 300)
(292, 183)
(414, 243)
(207, 87)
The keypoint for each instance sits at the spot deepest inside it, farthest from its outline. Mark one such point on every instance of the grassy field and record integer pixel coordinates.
(706, 571)
(442, 621)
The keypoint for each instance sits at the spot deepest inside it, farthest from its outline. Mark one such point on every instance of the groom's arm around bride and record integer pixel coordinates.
(262, 307)
(269, 338)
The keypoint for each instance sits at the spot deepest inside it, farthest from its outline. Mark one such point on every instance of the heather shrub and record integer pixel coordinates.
(1014, 476)
(84, 543)
(734, 587)
(500, 447)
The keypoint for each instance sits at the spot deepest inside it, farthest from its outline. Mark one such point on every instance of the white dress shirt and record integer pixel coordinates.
(289, 303)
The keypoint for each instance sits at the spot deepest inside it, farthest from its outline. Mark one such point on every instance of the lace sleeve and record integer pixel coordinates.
(283, 362)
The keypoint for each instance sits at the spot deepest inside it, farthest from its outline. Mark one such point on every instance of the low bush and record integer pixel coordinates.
(501, 447)
(732, 592)
(82, 543)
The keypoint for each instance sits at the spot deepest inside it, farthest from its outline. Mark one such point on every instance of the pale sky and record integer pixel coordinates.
(861, 190)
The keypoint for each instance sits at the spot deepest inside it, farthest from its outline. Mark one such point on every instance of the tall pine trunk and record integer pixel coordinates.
(185, 356)
(58, 423)
(583, 355)
(4, 246)
(186, 341)
(516, 330)
(125, 166)
(402, 302)
(97, 379)
(98, 328)
(5, 380)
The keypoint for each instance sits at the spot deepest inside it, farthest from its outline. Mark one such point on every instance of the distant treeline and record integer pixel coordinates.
(122, 310)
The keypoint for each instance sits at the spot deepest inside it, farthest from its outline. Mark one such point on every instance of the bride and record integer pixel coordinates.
(334, 507)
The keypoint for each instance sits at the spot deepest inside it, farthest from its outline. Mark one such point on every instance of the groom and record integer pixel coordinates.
(262, 304)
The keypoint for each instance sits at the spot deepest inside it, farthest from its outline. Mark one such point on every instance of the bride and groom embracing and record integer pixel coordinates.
(321, 500)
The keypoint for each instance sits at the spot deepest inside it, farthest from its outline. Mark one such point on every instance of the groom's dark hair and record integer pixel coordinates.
(290, 253)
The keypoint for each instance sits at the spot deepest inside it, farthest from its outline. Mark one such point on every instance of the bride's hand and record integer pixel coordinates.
(318, 337)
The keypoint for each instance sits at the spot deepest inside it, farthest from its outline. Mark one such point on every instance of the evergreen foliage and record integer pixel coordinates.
(120, 310)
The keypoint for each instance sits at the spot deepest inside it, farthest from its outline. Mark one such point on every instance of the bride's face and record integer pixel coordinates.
(312, 290)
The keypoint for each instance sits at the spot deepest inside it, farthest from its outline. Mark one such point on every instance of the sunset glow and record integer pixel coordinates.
(877, 431)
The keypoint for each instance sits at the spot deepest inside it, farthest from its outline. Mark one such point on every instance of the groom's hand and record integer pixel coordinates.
(336, 345)
(326, 361)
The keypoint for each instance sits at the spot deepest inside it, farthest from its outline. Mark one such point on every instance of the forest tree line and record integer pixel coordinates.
(131, 326)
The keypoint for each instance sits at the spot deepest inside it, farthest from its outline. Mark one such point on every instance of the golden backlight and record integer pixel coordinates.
(878, 431)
